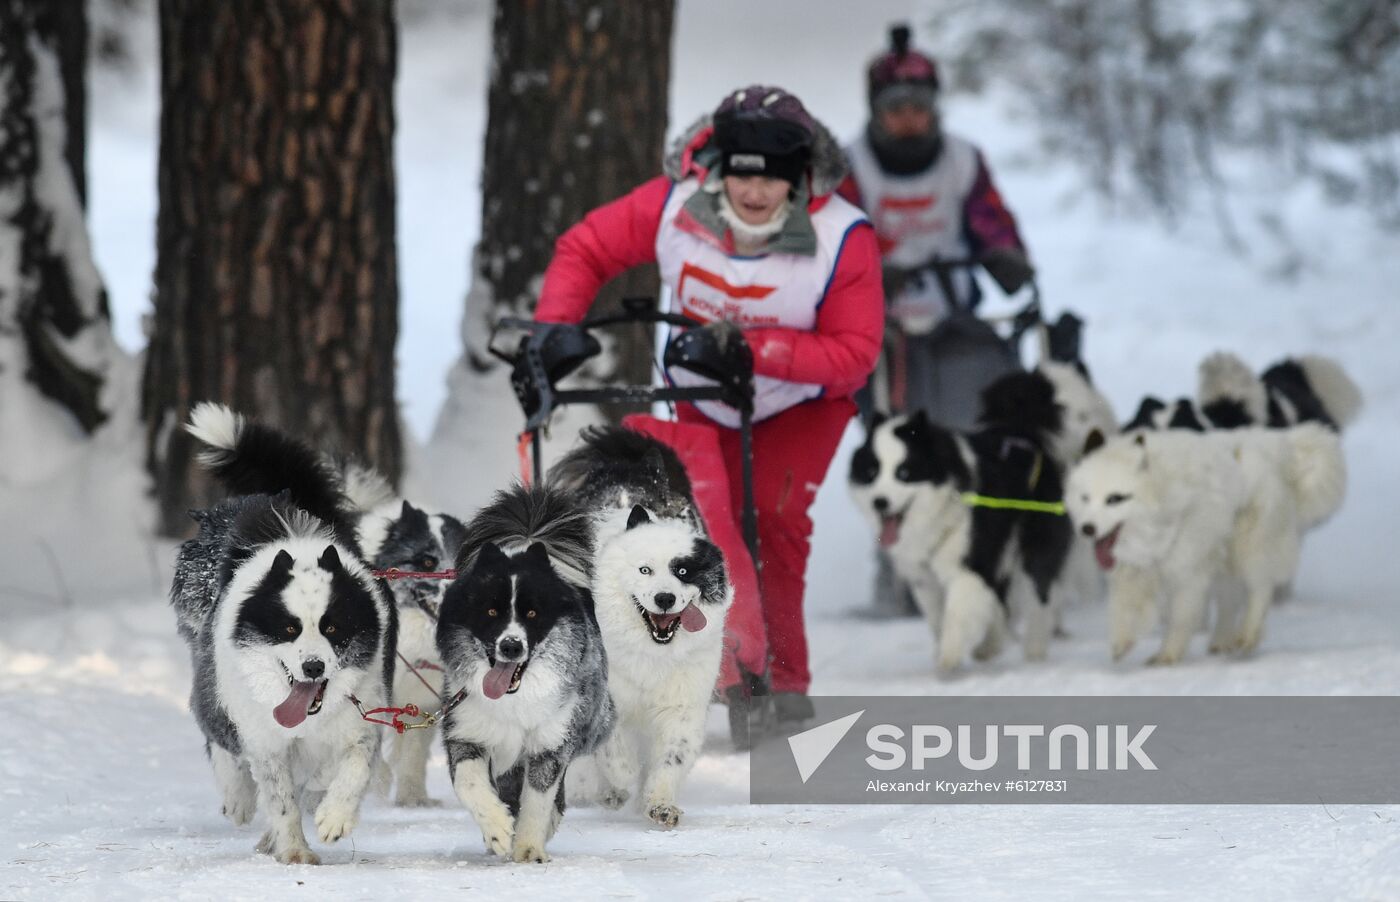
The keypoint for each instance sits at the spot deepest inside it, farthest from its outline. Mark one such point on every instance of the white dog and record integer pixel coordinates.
(661, 592)
(1172, 513)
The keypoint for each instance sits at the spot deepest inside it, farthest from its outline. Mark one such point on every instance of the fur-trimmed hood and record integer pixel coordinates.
(692, 154)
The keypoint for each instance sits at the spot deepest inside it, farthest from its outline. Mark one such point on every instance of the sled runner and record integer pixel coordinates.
(542, 355)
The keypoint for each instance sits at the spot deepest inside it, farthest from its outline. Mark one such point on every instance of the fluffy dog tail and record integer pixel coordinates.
(1316, 471)
(252, 459)
(365, 487)
(523, 515)
(1333, 387)
(1229, 393)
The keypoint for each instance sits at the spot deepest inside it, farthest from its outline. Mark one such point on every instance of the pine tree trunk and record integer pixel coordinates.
(276, 271)
(63, 25)
(53, 308)
(577, 117)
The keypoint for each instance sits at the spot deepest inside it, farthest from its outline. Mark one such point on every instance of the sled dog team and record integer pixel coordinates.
(569, 626)
(576, 627)
(1192, 501)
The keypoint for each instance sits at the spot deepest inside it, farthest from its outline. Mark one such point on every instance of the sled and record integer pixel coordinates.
(544, 354)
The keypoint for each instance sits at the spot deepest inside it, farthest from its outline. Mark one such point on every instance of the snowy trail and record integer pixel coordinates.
(107, 794)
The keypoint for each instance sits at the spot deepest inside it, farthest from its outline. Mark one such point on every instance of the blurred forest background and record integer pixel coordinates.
(277, 278)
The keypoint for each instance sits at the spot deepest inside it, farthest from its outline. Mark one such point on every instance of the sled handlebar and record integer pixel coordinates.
(543, 354)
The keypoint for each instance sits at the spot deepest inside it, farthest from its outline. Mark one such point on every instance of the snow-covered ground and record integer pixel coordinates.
(103, 785)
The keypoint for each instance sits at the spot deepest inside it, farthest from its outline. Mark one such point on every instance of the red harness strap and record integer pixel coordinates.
(396, 573)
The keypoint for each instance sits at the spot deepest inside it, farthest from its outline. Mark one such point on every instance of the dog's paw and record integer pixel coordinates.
(664, 815)
(613, 799)
(334, 821)
(1121, 648)
(264, 846)
(1164, 658)
(947, 662)
(297, 855)
(240, 808)
(987, 650)
(1248, 642)
(529, 853)
(497, 830)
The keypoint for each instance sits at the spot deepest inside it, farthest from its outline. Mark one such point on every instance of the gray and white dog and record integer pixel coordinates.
(399, 536)
(284, 622)
(526, 674)
(661, 592)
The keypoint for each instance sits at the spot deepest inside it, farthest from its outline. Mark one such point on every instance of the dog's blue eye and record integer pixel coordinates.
(680, 571)
(645, 571)
(1116, 498)
(902, 473)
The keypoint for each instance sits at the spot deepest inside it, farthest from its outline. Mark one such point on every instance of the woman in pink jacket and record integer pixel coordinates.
(745, 228)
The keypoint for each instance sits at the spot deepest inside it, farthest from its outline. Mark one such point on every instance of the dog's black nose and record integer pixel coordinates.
(313, 668)
(664, 600)
(511, 648)
(881, 504)
(1087, 529)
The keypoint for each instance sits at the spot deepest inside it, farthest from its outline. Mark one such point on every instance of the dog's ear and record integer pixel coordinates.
(490, 555)
(537, 554)
(877, 418)
(330, 559)
(407, 510)
(283, 562)
(638, 517)
(1093, 441)
(919, 421)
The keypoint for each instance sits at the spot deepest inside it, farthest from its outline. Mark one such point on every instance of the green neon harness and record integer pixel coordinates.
(972, 499)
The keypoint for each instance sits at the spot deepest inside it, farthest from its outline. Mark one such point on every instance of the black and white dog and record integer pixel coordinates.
(1306, 389)
(399, 536)
(661, 592)
(1229, 395)
(284, 622)
(526, 673)
(926, 489)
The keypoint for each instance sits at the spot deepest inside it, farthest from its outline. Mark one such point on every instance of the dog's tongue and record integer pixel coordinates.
(889, 531)
(496, 683)
(292, 711)
(692, 619)
(1103, 550)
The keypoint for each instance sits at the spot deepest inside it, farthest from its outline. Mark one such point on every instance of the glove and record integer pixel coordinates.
(717, 351)
(1009, 267)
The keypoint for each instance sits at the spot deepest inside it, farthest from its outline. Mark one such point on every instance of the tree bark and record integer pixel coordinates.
(576, 117)
(276, 270)
(53, 307)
